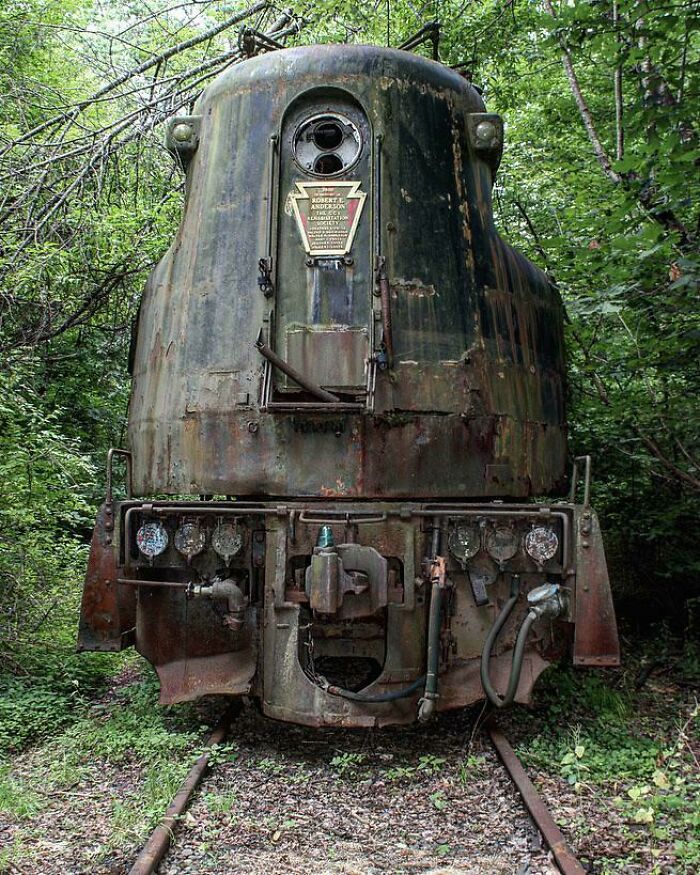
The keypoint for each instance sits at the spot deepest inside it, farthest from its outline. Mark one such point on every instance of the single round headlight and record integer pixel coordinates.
(227, 540)
(541, 543)
(189, 539)
(464, 542)
(501, 543)
(152, 539)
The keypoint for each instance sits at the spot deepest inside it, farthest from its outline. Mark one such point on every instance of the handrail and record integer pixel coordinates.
(112, 452)
(586, 481)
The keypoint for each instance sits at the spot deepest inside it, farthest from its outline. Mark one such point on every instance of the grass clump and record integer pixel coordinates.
(627, 750)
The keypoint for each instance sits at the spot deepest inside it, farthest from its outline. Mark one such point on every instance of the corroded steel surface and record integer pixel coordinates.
(477, 384)
(596, 641)
(381, 617)
(107, 611)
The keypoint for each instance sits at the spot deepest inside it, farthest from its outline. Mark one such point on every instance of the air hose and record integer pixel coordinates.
(430, 695)
(369, 699)
(545, 600)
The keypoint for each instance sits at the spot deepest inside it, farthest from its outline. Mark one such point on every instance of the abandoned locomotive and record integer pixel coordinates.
(352, 390)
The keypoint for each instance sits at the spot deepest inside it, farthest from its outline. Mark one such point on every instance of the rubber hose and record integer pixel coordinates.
(389, 696)
(427, 704)
(518, 652)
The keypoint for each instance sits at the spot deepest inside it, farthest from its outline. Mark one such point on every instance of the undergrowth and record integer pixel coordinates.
(631, 750)
(129, 733)
(52, 690)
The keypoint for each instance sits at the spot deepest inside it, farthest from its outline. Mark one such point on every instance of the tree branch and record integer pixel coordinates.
(584, 111)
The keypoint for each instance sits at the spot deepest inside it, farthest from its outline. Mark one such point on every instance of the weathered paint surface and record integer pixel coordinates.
(477, 330)
(107, 611)
(444, 350)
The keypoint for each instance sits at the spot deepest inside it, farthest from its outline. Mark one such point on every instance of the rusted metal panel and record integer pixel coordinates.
(595, 639)
(477, 330)
(374, 608)
(339, 338)
(107, 611)
(333, 357)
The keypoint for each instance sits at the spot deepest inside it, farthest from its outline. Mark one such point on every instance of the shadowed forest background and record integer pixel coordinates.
(598, 185)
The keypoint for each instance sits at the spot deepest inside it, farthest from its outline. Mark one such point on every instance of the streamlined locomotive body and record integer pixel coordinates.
(347, 391)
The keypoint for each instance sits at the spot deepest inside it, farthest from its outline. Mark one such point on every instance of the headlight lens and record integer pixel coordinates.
(189, 539)
(541, 543)
(152, 539)
(501, 543)
(227, 540)
(464, 542)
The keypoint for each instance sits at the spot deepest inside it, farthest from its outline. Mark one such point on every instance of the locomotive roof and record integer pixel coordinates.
(339, 64)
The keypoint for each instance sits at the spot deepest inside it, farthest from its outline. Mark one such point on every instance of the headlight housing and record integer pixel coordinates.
(227, 540)
(189, 539)
(501, 543)
(541, 544)
(152, 539)
(464, 542)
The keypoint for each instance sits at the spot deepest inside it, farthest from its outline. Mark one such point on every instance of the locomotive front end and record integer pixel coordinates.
(352, 388)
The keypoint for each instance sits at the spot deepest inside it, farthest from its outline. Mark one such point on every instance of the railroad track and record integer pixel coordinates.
(158, 844)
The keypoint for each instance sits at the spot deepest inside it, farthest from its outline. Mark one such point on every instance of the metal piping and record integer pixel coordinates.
(438, 575)
(545, 600)
(385, 296)
(291, 372)
(541, 513)
(240, 509)
(426, 706)
(369, 699)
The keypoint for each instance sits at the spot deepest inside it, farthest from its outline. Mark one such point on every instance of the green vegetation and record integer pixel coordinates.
(630, 752)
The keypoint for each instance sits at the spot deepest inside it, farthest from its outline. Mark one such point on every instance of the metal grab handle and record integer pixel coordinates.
(114, 451)
(586, 480)
(385, 297)
(335, 517)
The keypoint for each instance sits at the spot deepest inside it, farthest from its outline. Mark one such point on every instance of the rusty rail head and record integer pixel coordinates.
(563, 855)
(157, 845)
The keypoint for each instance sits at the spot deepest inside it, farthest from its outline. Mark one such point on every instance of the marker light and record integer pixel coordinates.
(501, 543)
(152, 539)
(541, 543)
(227, 540)
(464, 542)
(189, 539)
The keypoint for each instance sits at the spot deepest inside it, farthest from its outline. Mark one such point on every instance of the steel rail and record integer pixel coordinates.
(563, 855)
(157, 845)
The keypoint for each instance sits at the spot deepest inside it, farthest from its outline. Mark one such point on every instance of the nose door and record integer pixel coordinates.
(323, 304)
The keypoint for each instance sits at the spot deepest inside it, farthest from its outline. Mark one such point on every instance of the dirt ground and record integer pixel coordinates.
(616, 761)
(285, 799)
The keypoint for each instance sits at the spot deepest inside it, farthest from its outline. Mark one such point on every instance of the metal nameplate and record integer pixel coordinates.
(327, 215)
